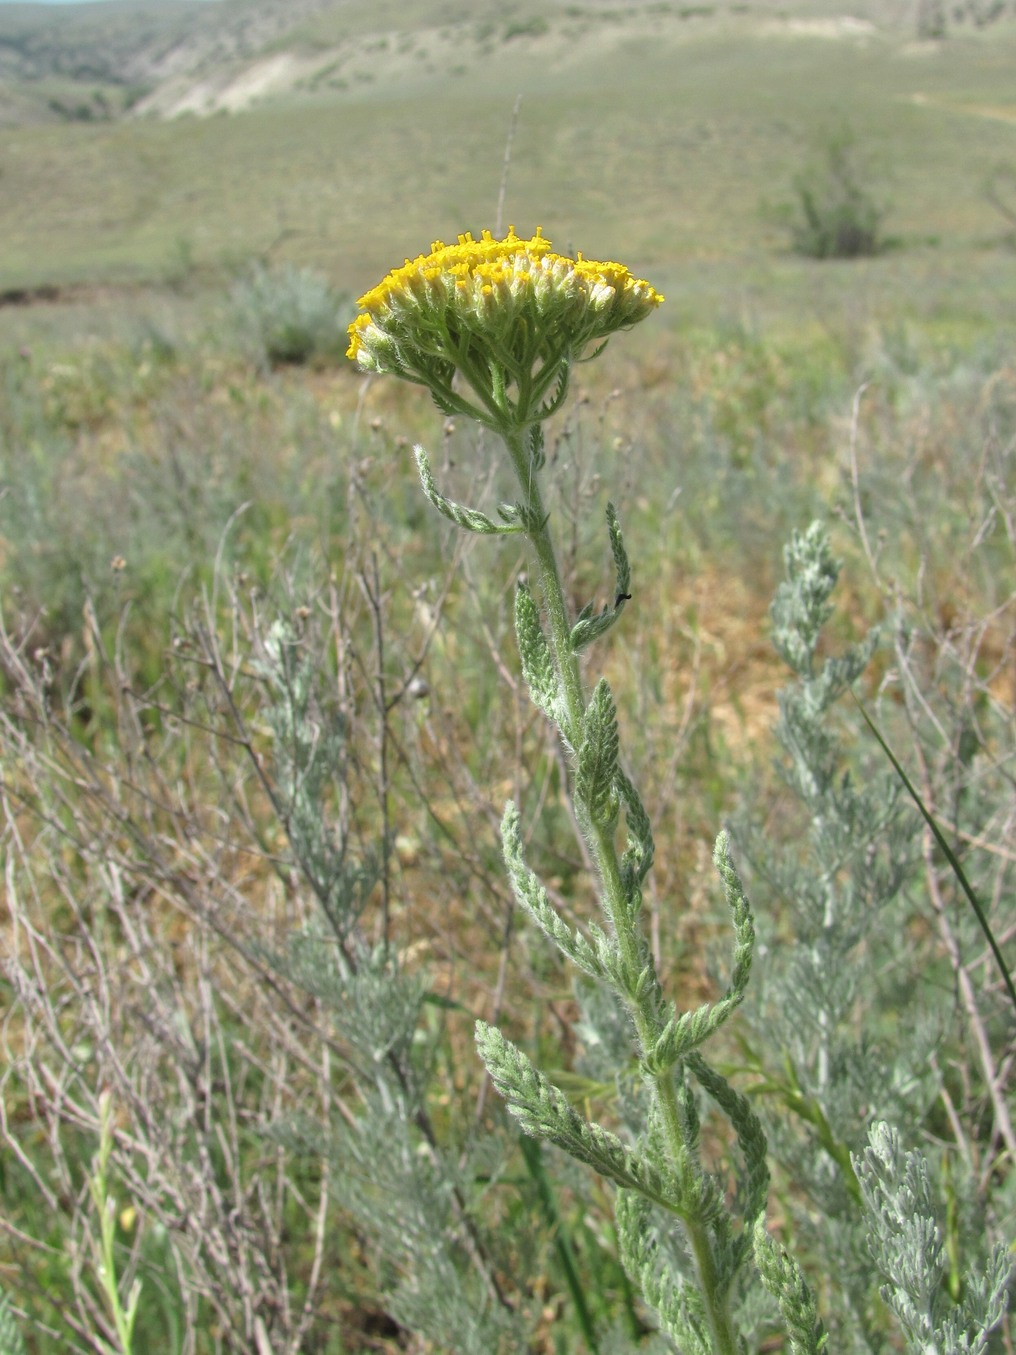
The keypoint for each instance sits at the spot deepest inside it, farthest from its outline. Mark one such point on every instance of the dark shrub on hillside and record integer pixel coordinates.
(836, 215)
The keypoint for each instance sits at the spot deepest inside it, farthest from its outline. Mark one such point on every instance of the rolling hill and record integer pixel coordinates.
(143, 136)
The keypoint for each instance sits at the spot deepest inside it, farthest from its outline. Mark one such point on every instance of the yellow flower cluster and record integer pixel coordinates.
(509, 315)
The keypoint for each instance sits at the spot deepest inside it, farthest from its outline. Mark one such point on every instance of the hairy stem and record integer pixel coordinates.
(645, 1009)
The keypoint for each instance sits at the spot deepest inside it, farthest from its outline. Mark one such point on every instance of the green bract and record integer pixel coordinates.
(508, 315)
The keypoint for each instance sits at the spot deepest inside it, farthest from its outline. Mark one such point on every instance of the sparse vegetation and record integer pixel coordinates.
(527, 28)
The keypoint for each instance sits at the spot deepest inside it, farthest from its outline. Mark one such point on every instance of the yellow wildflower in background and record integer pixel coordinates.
(508, 315)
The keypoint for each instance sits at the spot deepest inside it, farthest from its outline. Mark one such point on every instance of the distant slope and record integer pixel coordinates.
(91, 62)
(661, 133)
(99, 62)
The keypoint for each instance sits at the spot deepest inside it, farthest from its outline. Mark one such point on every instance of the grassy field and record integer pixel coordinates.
(665, 143)
(217, 570)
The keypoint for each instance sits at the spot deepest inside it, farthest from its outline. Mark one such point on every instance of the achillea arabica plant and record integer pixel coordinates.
(492, 328)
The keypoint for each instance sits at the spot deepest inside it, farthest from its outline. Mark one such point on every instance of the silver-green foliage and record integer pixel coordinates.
(414, 1197)
(838, 880)
(908, 1249)
(840, 884)
(849, 882)
(312, 752)
(289, 314)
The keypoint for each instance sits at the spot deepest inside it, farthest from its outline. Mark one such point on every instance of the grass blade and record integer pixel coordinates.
(947, 851)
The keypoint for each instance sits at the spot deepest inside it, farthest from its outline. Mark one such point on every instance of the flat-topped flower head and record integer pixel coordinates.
(509, 315)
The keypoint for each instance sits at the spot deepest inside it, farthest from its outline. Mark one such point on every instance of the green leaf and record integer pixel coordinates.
(588, 626)
(597, 767)
(744, 924)
(679, 1307)
(782, 1276)
(469, 519)
(751, 1139)
(543, 1111)
(537, 664)
(639, 849)
(686, 1032)
(532, 896)
(622, 565)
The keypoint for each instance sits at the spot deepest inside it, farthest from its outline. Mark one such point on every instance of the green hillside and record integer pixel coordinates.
(661, 132)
